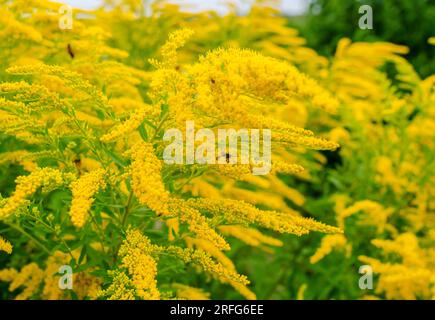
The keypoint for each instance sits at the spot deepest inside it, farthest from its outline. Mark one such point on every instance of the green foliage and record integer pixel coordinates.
(406, 22)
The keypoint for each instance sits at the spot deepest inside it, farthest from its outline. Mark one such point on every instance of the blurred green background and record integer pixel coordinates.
(406, 22)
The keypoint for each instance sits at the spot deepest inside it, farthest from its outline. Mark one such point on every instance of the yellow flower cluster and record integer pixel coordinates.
(22, 157)
(233, 72)
(30, 277)
(328, 244)
(250, 236)
(15, 29)
(121, 287)
(189, 293)
(51, 290)
(129, 125)
(207, 246)
(206, 263)
(86, 285)
(288, 168)
(375, 214)
(241, 212)
(34, 281)
(198, 224)
(308, 142)
(146, 178)
(47, 178)
(5, 245)
(410, 278)
(135, 257)
(83, 190)
(176, 40)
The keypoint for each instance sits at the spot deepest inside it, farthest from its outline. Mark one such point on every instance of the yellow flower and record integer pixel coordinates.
(83, 189)
(305, 141)
(22, 157)
(135, 256)
(234, 70)
(129, 125)
(301, 292)
(400, 281)
(86, 285)
(198, 224)
(121, 288)
(406, 245)
(51, 290)
(409, 278)
(290, 193)
(250, 236)
(206, 263)
(190, 293)
(29, 278)
(147, 183)
(47, 178)
(15, 30)
(288, 168)
(240, 212)
(329, 243)
(375, 214)
(213, 251)
(5, 245)
(175, 40)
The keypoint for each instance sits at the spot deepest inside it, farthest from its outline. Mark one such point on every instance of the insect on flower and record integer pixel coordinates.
(226, 155)
(77, 162)
(70, 51)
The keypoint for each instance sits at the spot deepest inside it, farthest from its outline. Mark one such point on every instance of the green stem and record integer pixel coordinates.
(99, 231)
(123, 221)
(37, 241)
(127, 209)
(52, 229)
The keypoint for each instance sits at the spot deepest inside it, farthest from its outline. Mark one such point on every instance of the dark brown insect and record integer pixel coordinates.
(227, 157)
(70, 51)
(77, 163)
(213, 81)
